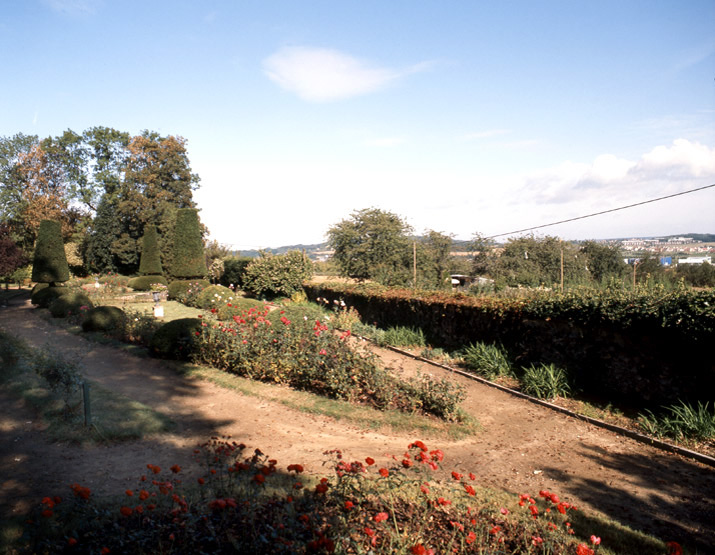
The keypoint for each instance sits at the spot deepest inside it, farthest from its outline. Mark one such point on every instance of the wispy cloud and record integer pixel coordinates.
(73, 7)
(34, 117)
(323, 75)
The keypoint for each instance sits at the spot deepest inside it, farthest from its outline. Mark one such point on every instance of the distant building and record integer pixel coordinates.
(695, 260)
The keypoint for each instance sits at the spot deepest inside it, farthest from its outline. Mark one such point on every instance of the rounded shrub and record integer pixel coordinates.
(186, 291)
(237, 307)
(175, 339)
(215, 296)
(69, 303)
(144, 283)
(37, 287)
(105, 319)
(44, 296)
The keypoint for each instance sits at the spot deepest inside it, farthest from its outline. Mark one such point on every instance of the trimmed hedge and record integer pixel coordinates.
(43, 296)
(49, 263)
(105, 319)
(182, 290)
(215, 296)
(144, 283)
(642, 349)
(69, 304)
(175, 339)
(188, 249)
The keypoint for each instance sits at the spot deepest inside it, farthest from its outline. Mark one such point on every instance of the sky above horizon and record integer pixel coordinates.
(462, 117)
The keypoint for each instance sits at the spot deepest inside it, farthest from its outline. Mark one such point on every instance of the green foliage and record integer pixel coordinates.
(11, 256)
(372, 244)
(401, 336)
(234, 270)
(50, 263)
(150, 263)
(105, 319)
(44, 296)
(236, 307)
(144, 283)
(697, 275)
(545, 381)
(682, 421)
(175, 339)
(535, 262)
(434, 263)
(141, 327)
(188, 260)
(487, 360)
(73, 302)
(277, 275)
(187, 291)
(215, 296)
(604, 262)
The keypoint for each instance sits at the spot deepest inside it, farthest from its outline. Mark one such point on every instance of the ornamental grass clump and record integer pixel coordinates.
(243, 501)
(487, 360)
(545, 381)
(307, 355)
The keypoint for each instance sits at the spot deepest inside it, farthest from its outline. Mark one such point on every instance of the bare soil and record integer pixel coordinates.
(522, 447)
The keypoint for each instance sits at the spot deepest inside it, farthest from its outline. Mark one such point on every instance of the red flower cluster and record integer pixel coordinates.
(81, 492)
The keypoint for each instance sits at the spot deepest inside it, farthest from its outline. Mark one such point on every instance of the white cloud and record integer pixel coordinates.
(323, 75)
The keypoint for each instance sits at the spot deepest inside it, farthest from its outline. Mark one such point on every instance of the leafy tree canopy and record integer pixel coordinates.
(372, 244)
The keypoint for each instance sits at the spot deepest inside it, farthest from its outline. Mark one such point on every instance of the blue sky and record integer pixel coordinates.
(460, 116)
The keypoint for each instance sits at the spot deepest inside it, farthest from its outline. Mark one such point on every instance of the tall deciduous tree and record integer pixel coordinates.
(372, 244)
(11, 183)
(49, 264)
(603, 261)
(434, 260)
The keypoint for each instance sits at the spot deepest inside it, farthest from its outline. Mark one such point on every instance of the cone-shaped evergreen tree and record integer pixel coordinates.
(50, 262)
(150, 263)
(188, 260)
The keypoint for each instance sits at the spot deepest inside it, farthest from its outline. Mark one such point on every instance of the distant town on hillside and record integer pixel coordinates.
(688, 243)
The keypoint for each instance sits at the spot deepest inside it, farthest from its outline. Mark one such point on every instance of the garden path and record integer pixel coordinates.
(522, 447)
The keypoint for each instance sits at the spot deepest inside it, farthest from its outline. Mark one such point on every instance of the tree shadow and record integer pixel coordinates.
(682, 510)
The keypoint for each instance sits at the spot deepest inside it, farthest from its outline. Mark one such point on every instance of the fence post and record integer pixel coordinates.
(87, 404)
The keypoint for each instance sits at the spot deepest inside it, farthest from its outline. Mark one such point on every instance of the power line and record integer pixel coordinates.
(602, 212)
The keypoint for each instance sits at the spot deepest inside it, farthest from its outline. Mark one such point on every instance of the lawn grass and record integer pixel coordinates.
(114, 417)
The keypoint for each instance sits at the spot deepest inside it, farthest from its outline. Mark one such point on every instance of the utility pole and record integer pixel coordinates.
(562, 269)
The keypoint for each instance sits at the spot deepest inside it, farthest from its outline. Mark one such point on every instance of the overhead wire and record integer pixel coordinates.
(602, 212)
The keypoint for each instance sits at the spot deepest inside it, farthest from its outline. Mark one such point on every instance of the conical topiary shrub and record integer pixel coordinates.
(49, 264)
(150, 262)
(188, 260)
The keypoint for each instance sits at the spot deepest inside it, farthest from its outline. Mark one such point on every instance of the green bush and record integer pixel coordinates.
(545, 381)
(105, 319)
(44, 296)
(486, 360)
(71, 303)
(234, 270)
(150, 261)
(144, 283)
(188, 260)
(49, 263)
(175, 339)
(62, 375)
(277, 275)
(214, 296)
(237, 307)
(141, 327)
(187, 291)
(401, 336)
(114, 280)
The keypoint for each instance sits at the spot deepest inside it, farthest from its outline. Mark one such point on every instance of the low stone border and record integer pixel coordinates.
(700, 457)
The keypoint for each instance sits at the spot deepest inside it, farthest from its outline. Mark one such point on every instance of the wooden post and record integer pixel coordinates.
(414, 264)
(87, 404)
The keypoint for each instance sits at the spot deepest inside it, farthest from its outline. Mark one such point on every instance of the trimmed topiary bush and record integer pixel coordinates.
(69, 304)
(150, 262)
(175, 339)
(188, 259)
(45, 295)
(49, 264)
(144, 283)
(105, 319)
(215, 296)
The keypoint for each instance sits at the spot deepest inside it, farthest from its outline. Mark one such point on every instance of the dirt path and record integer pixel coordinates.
(522, 448)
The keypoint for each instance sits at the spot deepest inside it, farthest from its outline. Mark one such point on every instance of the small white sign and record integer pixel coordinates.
(158, 312)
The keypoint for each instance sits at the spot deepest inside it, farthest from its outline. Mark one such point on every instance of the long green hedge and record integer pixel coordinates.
(644, 348)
